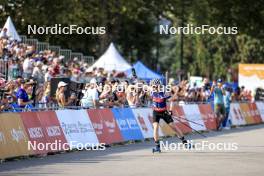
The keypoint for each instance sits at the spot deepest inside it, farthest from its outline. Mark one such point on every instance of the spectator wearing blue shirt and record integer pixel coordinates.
(22, 96)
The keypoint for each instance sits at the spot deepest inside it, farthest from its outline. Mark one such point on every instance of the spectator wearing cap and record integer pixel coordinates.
(60, 95)
(90, 98)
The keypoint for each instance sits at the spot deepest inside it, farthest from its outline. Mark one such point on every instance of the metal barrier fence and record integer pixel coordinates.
(41, 46)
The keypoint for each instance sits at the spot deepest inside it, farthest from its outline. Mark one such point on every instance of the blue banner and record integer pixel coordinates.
(127, 124)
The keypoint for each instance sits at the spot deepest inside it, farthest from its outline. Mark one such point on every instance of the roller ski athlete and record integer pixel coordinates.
(159, 106)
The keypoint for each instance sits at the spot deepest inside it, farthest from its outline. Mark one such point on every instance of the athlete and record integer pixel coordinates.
(159, 106)
(219, 107)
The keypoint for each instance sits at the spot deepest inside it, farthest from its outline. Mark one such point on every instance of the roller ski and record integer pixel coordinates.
(187, 144)
(156, 148)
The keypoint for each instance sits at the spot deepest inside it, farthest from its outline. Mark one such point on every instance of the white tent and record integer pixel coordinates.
(11, 30)
(111, 60)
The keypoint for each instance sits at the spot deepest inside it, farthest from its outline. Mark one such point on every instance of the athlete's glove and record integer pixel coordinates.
(169, 112)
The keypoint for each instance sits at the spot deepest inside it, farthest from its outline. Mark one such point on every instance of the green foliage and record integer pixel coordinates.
(131, 25)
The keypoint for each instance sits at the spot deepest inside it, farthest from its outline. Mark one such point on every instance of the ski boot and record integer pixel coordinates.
(156, 149)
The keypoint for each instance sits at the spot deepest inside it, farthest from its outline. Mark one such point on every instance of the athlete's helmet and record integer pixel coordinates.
(155, 82)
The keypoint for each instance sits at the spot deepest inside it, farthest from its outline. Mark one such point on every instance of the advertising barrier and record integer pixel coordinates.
(192, 113)
(52, 130)
(15, 136)
(208, 116)
(70, 129)
(127, 124)
(235, 115)
(255, 113)
(181, 121)
(105, 126)
(35, 132)
(77, 128)
(141, 115)
(260, 107)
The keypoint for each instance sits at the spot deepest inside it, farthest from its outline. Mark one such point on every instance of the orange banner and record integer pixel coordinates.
(16, 139)
(246, 113)
(255, 112)
(4, 150)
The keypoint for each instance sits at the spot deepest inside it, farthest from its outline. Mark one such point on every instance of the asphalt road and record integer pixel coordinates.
(137, 159)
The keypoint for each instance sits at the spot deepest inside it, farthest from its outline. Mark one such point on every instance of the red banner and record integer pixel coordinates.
(52, 130)
(181, 120)
(105, 126)
(208, 116)
(35, 132)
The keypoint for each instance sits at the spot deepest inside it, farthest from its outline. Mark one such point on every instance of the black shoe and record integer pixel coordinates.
(156, 149)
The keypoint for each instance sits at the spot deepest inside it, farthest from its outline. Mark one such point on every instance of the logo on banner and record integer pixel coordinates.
(35, 132)
(142, 123)
(110, 125)
(122, 124)
(98, 127)
(17, 134)
(85, 127)
(71, 128)
(53, 131)
(2, 138)
(132, 123)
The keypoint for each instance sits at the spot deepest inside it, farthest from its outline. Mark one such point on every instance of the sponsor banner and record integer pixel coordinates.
(150, 118)
(181, 121)
(52, 130)
(251, 76)
(105, 126)
(15, 137)
(77, 128)
(111, 124)
(4, 150)
(127, 124)
(208, 116)
(260, 106)
(246, 113)
(141, 115)
(235, 115)
(192, 113)
(34, 131)
(254, 112)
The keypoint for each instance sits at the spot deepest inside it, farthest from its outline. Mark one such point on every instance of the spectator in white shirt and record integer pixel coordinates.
(90, 98)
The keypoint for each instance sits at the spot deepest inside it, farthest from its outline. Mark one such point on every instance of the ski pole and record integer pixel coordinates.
(189, 121)
(192, 128)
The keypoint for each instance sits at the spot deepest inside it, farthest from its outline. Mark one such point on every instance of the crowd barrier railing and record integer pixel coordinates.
(43, 132)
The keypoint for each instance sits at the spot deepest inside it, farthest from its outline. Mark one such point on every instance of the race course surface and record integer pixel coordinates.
(137, 159)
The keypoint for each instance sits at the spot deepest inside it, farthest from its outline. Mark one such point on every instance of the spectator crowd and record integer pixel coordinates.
(25, 82)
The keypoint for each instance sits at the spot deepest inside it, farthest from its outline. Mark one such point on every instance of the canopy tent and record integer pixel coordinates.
(143, 72)
(11, 30)
(111, 60)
